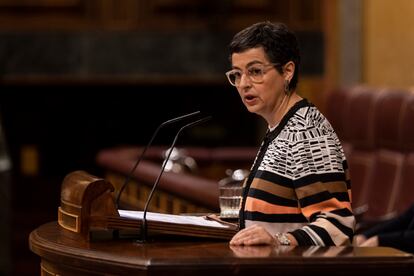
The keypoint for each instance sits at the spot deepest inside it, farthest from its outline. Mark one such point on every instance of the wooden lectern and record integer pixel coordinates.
(87, 205)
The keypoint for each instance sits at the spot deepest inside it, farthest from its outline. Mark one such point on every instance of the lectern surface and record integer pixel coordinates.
(63, 256)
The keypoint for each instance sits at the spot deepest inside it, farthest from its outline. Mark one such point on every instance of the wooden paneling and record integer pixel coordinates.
(68, 14)
(156, 14)
(38, 3)
(42, 14)
(331, 50)
(388, 56)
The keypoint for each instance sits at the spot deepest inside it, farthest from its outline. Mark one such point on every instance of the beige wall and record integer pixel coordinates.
(388, 43)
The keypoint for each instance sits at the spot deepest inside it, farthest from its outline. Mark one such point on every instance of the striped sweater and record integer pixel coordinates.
(299, 182)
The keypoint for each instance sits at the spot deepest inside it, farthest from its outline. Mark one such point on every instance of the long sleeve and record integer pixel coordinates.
(322, 186)
(324, 201)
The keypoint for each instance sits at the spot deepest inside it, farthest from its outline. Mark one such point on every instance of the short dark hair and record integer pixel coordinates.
(278, 42)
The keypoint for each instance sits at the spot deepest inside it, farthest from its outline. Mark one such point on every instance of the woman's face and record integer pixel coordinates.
(262, 98)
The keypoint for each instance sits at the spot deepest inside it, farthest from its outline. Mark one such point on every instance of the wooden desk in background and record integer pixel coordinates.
(63, 256)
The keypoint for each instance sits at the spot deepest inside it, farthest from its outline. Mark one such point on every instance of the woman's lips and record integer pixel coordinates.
(250, 100)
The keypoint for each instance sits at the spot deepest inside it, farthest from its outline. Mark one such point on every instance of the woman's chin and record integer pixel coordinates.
(253, 109)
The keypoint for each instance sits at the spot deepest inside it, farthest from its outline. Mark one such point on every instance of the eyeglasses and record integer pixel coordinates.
(255, 73)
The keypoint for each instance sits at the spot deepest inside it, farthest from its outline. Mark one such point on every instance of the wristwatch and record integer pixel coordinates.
(282, 239)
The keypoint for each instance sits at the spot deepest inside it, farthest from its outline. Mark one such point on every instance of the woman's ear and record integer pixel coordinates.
(289, 70)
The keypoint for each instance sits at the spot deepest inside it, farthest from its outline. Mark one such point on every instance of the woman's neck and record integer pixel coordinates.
(285, 104)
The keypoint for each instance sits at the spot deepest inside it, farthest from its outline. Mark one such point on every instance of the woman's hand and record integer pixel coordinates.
(359, 239)
(253, 235)
(373, 241)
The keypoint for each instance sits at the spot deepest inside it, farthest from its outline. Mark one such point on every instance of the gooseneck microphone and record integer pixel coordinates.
(144, 218)
(168, 122)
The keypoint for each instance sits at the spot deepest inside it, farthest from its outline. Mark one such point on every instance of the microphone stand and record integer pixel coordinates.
(144, 218)
(128, 178)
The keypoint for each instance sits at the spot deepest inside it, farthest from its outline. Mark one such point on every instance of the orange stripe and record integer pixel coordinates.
(325, 206)
(257, 205)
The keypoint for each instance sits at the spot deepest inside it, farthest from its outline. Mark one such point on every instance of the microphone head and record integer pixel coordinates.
(202, 120)
(189, 115)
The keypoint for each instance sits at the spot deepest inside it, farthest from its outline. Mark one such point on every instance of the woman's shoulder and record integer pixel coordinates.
(311, 115)
(309, 120)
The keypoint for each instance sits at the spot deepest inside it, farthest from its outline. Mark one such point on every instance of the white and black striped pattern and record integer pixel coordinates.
(306, 145)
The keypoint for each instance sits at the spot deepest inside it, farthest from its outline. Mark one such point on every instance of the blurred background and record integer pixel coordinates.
(79, 76)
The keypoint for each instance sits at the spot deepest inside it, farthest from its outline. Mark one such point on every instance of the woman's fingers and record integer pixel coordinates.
(252, 236)
(373, 241)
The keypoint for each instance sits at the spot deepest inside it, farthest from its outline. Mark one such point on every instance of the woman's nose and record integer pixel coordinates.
(245, 81)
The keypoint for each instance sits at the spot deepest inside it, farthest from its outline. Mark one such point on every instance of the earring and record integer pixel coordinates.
(287, 87)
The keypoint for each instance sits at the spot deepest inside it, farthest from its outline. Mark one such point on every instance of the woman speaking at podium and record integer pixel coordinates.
(298, 190)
